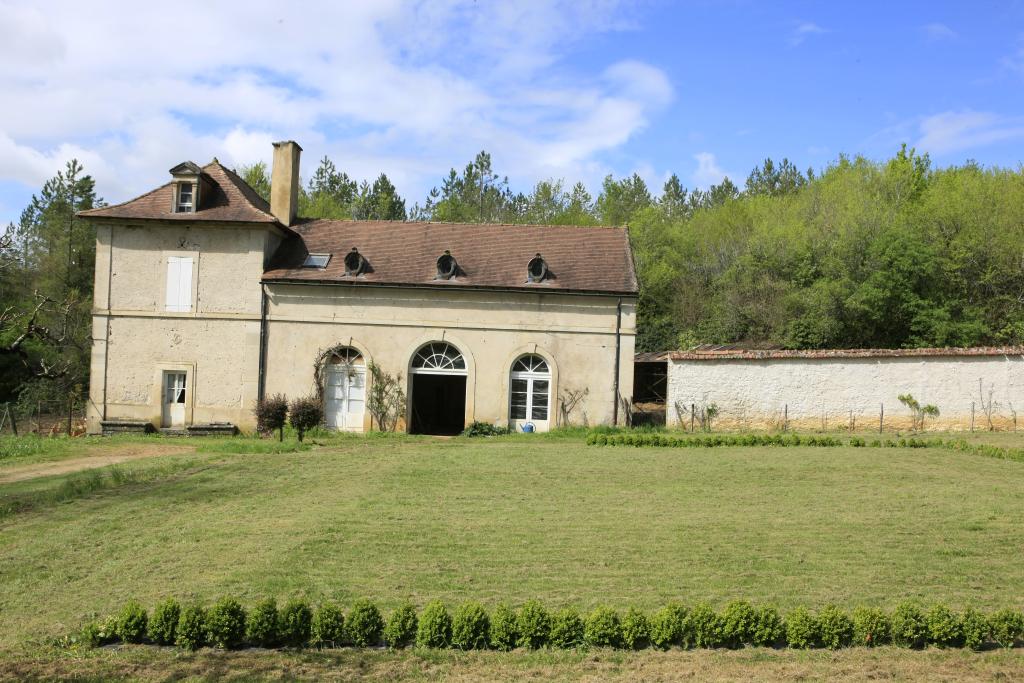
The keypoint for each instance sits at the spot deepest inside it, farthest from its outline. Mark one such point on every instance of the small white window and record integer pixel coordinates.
(179, 284)
(316, 261)
(185, 195)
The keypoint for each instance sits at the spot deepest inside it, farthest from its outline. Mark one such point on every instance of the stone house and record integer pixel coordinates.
(208, 298)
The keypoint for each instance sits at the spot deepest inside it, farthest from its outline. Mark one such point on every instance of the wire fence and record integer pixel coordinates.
(45, 418)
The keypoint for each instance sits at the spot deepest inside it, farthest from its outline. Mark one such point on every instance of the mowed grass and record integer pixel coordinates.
(517, 518)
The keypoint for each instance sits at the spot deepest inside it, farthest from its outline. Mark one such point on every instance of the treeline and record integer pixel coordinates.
(886, 254)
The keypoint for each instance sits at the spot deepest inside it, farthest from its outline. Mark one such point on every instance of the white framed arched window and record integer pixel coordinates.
(438, 358)
(529, 389)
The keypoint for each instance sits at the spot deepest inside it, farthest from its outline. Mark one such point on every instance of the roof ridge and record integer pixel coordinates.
(464, 223)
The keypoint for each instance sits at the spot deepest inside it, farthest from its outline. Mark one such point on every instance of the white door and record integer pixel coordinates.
(345, 397)
(174, 399)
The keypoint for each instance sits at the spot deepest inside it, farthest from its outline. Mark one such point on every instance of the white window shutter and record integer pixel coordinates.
(173, 277)
(185, 284)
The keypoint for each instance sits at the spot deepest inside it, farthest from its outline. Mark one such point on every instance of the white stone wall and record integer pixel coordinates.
(833, 392)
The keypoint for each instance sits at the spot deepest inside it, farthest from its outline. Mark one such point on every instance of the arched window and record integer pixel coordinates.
(530, 389)
(345, 389)
(438, 358)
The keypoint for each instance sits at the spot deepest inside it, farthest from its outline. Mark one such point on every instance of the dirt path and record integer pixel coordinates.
(88, 462)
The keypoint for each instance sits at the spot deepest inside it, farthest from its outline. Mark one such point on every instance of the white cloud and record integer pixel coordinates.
(803, 31)
(405, 87)
(938, 32)
(708, 171)
(953, 131)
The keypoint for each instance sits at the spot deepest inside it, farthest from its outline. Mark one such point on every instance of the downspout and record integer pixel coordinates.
(106, 340)
(262, 380)
(618, 352)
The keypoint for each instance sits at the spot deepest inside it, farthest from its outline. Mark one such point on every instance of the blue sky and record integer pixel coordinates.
(572, 90)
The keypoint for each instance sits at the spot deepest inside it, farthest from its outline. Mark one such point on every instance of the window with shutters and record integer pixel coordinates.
(179, 284)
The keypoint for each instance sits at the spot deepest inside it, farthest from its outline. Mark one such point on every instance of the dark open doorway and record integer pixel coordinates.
(438, 404)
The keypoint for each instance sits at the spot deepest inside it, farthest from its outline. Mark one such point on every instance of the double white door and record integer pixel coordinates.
(345, 397)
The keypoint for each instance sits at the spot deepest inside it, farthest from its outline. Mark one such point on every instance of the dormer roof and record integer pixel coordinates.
(186, 168)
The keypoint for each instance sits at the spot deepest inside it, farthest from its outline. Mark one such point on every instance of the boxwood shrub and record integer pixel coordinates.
(365, 625)
(471, 627)
(262, 627)
(504, 633)
(533, 624)
(1006, 627)
(225, 624)
(400, 630)
(567, 628)
(668, 626)
(738, 623)
(636, 630)
(835, 628)
(909, 628)
(163, 627)
(704, 626)
(435, 627)
(802, 629)
(192, 628)
(603, 628)
(328, 627)
(975, 628)
(131, 623)
(769, 629)
(944, 627)
(295, 623)
(870, 627)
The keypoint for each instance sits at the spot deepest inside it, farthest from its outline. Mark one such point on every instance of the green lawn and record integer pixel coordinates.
(518, 518)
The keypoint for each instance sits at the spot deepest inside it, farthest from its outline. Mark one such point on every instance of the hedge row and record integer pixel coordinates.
(641, 439)
(228, 625)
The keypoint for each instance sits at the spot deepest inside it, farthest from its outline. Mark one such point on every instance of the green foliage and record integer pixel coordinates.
(871, 627)
(262, 625)
(295, 623)
(1006, 627)
(504, 627)
(400, 630)
(471, 627)
(476, 428)
(99, 632)
(192, 628)
(365, 624)
(533, 624)
(386, 401)
(225, 624)
(944, 627)
(769, 629)
(328, 627)
(909, 628)
(305, 414)
(131, 623)
(835, 627)
(919, 412)
(603, 628)
(272, 415)
(435, 626)
(668, 626)
(636, 630)
(802, 630)
(163, 626)
(567, 628)
(975, 628)
(704, 626)
(739, 621)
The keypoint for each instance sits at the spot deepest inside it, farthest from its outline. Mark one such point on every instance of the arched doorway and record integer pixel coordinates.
(530, 392)
(438, 388)
(344, 390)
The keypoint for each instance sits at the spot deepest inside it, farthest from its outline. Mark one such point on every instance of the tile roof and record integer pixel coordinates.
(580, 259)
(227, 198)
(828, 354)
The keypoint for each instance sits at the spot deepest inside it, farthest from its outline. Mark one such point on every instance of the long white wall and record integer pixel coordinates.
(833, 392)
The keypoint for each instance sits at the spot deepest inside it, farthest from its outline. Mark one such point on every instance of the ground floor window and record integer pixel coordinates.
(530, 389)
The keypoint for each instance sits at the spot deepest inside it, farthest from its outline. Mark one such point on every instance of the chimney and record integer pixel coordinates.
(284, 181)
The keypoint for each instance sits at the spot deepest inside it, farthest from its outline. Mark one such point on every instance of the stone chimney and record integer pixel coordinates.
(284, 181)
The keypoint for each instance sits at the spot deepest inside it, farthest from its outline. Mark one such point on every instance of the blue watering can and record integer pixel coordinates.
(527, 427)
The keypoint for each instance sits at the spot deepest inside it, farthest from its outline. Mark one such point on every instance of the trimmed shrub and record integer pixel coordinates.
(305, 414)
(131, 623)
(471, 627)
(1006, 626)
(704, 626)
(533, 624)
(870, 626)
(636, 630)
(435, 627)
(261, 627)
(801, 629)
(944, 627)
(191, 628)
(272, 415)
(603, 628)
(328, 627)
(567, 628)
(365, 625)
(295, 623)
(504, 635)
(909, 628)
(975, 628)
(835, 628)
(225, 624)
(400, 630)
(163, 627)
(668, 626)
(99, 632)
(739, 619)
(769, 629)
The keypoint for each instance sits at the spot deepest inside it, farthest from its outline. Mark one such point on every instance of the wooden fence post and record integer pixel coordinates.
(785, 418)
(693, 407)
(881, 416)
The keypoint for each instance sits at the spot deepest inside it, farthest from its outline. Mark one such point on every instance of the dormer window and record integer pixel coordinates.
(186, 198)
(355, 263)
(536, 269)
(447, 267)
(316, 261)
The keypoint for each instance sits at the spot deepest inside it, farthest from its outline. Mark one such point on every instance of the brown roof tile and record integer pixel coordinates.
(231, 200)
(579, 259)
(825, 354)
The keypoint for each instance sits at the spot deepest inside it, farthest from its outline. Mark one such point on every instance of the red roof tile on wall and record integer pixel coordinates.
(826, 354)
(580, 259)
